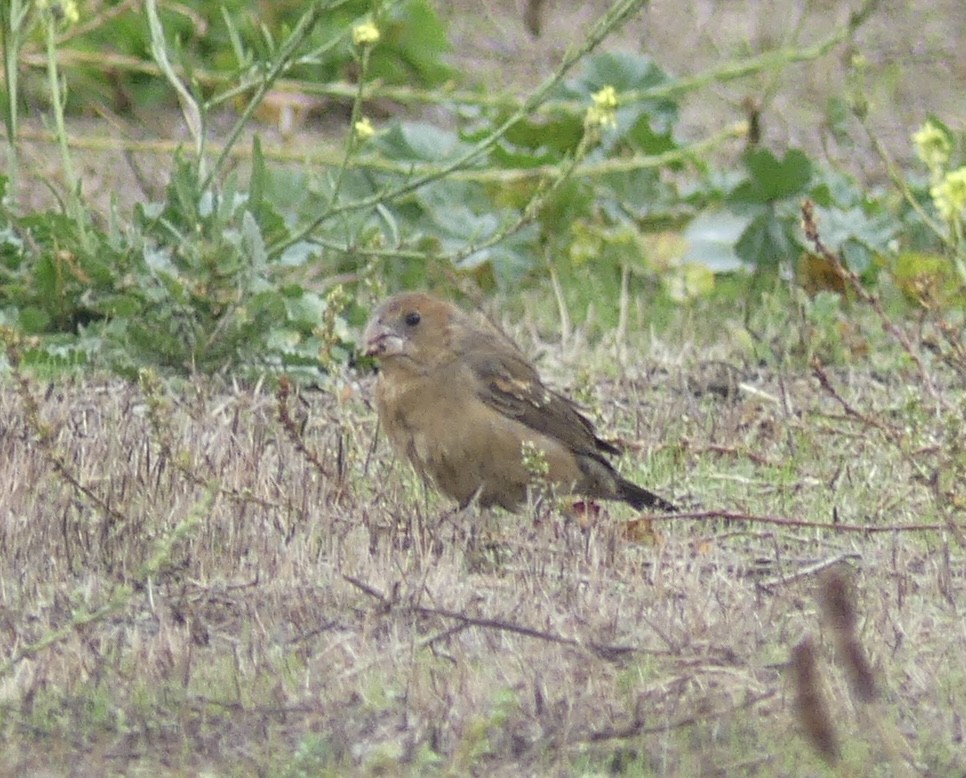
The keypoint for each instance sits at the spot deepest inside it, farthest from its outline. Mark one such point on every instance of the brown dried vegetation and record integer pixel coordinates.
(245, 582)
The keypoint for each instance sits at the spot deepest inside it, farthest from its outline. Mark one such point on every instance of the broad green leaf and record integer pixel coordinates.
(626, 73)
(856, 256)
(299, 254)
(711, 238)
(418, 142)
(639, 194)
(765, 242)
(837, 226)
(835, 188)
(539, 140)
(771, 179)
(568, 203)
(648, 140)
(411, 47)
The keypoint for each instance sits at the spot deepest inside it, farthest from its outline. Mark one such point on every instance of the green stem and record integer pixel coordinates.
(119, 600)
(189, 106)
(351, 142)
(12, 19)
(503, 176)
(74, 207)
(53, 83)
(282, 62)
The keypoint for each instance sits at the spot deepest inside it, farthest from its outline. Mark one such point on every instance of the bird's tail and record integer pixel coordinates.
(639, 498)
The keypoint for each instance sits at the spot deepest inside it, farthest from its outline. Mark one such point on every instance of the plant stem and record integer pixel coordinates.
(282, 62)
(74, 207)
(12, 19)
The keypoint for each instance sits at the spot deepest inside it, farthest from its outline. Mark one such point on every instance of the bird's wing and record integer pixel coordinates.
(506, 382)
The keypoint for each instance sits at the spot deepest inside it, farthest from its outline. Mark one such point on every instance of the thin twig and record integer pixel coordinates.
(290, 427)
(786, 521)
(850, 410)
(810, 569)
(855, 283)
(638, 727)
(603, 650)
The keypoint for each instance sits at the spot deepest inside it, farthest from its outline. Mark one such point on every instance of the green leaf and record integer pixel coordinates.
(11, 248)
(121, 306)
(646, 123)
(46, 278)
(712, 238)
(507, 259)
(765, 242)
(831, 188)
(299, 254)
(771, 179)
(411, 47)
(34, 319)
(857, 256)
(641, 194)
(648, 140)
(626, 73)
(418, 142)
(856, 236)
(257, 179)
(570, 201)
(252, 243)
(548, 139)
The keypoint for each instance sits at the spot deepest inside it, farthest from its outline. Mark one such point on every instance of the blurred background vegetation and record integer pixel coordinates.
(212, 188)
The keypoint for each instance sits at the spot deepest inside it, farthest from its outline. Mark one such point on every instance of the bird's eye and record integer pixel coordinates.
(412, 319)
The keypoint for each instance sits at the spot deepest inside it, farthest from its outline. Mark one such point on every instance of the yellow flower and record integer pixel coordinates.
(932, 146)
(606, 98)
(364, 129)
(949, 195)
(60, 10)
(365, 34)
(603, 112)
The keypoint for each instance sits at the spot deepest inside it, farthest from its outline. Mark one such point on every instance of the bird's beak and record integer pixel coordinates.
(380, 340)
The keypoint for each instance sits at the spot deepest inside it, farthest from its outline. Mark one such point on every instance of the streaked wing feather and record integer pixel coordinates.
(510, 385)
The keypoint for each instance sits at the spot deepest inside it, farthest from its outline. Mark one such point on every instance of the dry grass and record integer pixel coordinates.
(183, 589)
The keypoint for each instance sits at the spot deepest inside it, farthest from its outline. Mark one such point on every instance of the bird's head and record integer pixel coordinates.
(412, 327)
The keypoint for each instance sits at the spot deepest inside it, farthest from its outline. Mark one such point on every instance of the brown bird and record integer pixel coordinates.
(459, 400)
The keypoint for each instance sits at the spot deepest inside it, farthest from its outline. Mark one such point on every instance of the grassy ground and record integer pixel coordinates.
(193, 581)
